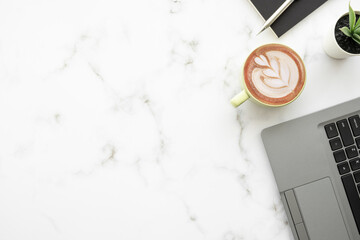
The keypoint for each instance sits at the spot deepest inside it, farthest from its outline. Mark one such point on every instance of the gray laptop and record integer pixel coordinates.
(316, 163)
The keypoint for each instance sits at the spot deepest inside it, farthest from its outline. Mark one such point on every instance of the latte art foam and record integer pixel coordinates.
(274, 74)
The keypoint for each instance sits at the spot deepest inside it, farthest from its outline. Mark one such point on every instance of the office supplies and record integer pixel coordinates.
(296, 12)
(275, 15)
(316, 164)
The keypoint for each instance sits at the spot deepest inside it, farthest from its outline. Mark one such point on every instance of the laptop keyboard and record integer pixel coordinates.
(344, 140)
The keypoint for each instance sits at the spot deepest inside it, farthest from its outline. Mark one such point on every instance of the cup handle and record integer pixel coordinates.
(239, 98)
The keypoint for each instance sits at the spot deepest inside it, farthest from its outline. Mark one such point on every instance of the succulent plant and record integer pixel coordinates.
(354, 30)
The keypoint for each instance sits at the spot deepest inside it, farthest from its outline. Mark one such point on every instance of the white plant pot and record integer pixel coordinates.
(331, 46)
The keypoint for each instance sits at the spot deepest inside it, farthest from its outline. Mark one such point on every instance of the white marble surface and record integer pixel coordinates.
(116, 123)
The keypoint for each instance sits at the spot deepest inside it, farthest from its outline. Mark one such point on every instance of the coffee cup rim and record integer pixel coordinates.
(259, 101)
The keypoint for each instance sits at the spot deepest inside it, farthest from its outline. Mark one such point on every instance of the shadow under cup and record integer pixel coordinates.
(273, 75)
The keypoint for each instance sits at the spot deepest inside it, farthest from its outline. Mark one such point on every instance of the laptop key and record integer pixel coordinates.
(351, 152)
(357, 176)
(353, 197)
(335, 144)
(339, 156)
(343, 168)
(355, 125)
(355, 164)
(331, 130)
(345, 132)
(358, 142)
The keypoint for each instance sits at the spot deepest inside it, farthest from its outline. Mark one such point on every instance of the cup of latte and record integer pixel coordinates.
(273, 75)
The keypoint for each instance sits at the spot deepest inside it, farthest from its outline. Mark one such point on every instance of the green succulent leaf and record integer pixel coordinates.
(346, 31)
(357, 31)
(357, 41)
(357, 25)
(352, 18)
(356, 38)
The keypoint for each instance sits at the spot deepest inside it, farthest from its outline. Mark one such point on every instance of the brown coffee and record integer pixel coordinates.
(274, 74)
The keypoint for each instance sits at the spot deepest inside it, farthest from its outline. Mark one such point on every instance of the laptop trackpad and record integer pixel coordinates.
(320, 211)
